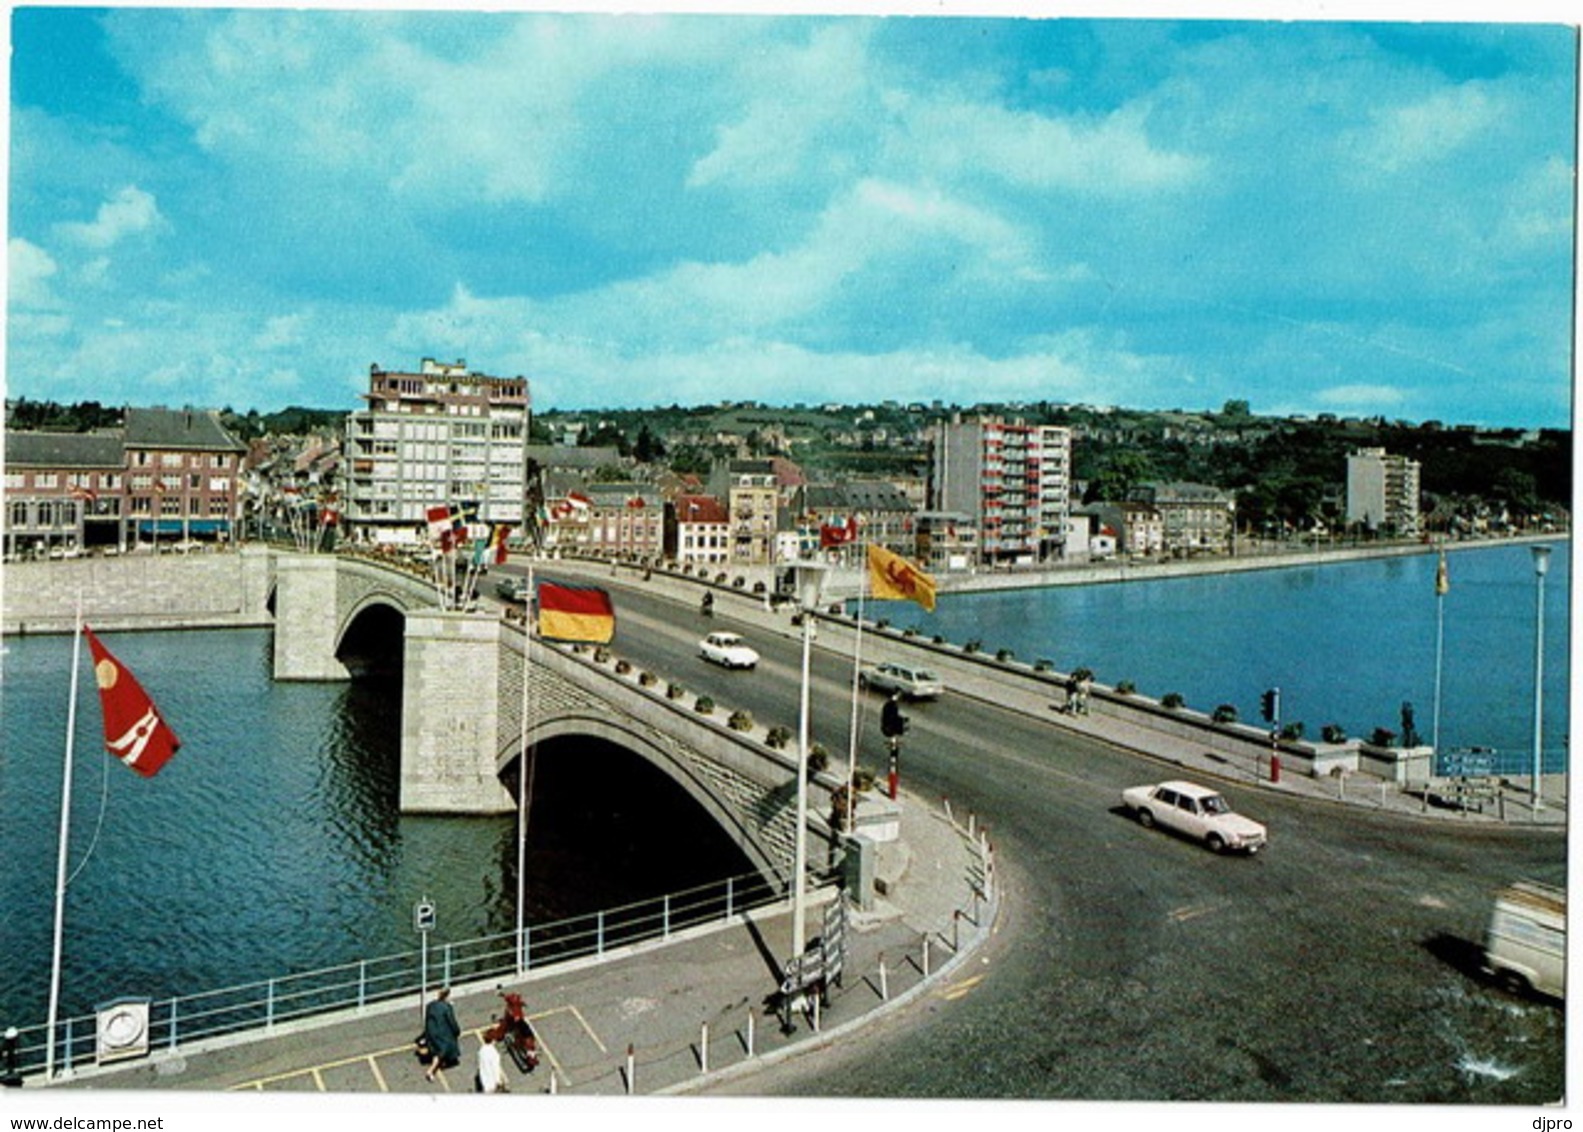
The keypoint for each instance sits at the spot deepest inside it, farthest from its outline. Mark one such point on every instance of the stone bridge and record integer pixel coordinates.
(467, 710)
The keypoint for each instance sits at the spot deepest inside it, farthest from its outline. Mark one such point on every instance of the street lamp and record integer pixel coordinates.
(1541, 566)
(809, 581)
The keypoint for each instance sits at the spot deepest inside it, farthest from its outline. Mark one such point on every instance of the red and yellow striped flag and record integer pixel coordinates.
(575, 613)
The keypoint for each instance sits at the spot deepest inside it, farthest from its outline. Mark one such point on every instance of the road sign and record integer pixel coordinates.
(423, 916)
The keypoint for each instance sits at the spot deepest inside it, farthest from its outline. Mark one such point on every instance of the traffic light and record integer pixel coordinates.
(891, 721)
(1270, 705)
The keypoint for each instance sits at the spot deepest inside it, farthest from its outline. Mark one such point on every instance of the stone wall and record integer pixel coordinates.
(219, 589)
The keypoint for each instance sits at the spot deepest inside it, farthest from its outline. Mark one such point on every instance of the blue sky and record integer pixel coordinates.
(249, 207)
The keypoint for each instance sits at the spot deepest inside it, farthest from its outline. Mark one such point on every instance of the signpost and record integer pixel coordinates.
(817, 967)
(423, 921)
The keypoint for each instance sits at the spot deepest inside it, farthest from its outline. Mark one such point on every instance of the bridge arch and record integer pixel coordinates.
(678, 769)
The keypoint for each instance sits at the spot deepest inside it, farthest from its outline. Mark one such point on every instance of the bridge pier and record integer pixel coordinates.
(450, 715)
(307, 618)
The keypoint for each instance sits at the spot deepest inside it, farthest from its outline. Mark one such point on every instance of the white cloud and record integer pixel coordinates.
(1431, 129)
(29, 269)
(129, 212)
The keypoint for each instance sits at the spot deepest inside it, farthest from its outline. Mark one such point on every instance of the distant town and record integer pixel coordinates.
(992, 486)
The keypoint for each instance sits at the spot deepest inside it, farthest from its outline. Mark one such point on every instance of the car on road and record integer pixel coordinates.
(727, 650)
(514, 589)
(912, 683)
(1197, 812)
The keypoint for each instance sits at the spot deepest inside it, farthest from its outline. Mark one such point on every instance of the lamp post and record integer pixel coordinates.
(809, 581)
(1541, 566)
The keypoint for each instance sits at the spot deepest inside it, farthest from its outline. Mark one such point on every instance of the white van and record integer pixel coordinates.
(1525, 947)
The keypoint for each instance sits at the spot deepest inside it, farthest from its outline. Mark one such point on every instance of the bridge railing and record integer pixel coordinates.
(268, 1003)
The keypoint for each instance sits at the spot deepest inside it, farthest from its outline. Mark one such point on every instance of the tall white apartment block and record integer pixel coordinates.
(1382, 492)
(443, 435)
(1013, 479)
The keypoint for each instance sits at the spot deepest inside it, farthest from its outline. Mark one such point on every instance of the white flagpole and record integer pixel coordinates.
(1440, 641)
(857, 652)
(65, 838)
(522, 776)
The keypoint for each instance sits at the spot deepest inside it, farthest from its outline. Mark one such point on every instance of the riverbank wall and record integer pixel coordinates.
(215, 590)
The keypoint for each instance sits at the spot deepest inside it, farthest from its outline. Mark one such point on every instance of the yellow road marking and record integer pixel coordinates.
(1190, 912)
(379, 1077)
(956, 990)
(318, 1080)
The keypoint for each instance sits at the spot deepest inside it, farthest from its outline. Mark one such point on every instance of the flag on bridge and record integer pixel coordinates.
(134, 731)
(838, 534)
(892, 577)
(575, 613)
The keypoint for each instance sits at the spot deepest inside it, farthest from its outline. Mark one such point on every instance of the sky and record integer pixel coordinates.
(248, 208)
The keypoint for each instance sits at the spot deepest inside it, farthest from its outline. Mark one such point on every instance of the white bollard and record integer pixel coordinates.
(972, 820)
(956, 930)
(884, 986)
(817, 997)
(750, 1032)
(631, 1071)
(554, 1086)
(703, 1049)
(926, 955)
(946, 802)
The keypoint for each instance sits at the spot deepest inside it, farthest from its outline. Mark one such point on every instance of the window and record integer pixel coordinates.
(19, 515)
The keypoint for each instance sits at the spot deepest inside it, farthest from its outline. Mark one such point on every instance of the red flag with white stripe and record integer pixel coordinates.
(134, 731)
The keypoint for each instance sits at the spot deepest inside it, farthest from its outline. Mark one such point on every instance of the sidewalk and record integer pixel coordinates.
(665, 1018)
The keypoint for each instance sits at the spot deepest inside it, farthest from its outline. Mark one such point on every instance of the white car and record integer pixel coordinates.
(912, 683)
(727, 650)
(1197, 812)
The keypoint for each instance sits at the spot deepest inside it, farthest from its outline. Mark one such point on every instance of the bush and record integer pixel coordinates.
(704, 705)
(647, 679)
(758, 587)
(909, 631)
(1333, 733)
(601, 655)
(623, 667)
(777, 737)
(1225, 713)
(740, 721)
(1082, 674)
(1003, 655)
(738, 582)
(1043, 665)
(882, 623)
(674, 691)
(1382, 737)
(1292, 731)
(973, 646)
(1172, 700)
(818, 758)
(937, 639)
(1126, 688)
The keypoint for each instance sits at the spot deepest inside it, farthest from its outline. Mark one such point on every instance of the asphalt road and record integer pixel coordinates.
(1338, 965)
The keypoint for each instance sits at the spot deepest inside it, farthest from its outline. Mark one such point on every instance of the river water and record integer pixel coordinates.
(271, 843)
(1346, 643)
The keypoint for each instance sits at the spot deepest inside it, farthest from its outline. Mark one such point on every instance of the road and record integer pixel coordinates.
(1131, 965)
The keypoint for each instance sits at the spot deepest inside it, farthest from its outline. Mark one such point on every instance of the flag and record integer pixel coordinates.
(497, 539)
(892, 577)
(575, 613)
(134, 731)
(1442, 577)
(439, 521)
(831, 534)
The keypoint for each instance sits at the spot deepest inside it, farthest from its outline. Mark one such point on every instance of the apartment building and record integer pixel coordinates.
(697, 531)
(1383, 493)
(1194, 518)
(63, 492)
(1012, 479)
(751, 490)
(183, 474)
(441, 435)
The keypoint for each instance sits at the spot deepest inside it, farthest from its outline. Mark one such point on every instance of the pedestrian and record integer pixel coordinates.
(1083, 687)
(443, 1033)
(491, 1077)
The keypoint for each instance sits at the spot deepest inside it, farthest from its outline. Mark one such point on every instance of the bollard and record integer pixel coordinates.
(631, 1069)
(884, 986)
(956, 929)
(750, 1032)
(1275, 768)
(815, 999)
(703, 1049)
(553, 1086)
(926, 955)
(972, 820)
(946, 802)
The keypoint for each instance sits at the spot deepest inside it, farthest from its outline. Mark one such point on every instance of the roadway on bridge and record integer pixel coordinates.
(1335, 966)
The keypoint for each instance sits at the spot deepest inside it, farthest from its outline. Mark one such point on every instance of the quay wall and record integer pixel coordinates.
(221, 589)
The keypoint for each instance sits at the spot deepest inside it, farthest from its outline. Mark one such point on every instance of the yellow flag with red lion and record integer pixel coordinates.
(892, 577)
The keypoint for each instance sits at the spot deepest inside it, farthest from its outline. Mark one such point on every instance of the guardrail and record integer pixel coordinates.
(265, 1004)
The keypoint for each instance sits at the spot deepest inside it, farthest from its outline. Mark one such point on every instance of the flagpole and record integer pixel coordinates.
(857, 651)
(522, 779)
(1440, 640)
(65, 838)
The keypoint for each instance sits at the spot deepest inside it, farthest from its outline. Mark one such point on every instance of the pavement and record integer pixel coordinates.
(663, 1018)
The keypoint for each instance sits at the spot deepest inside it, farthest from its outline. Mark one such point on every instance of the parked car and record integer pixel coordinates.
(514, 589)
(727, 650)
(1197, 812)
(912, 683)
(1525, 948)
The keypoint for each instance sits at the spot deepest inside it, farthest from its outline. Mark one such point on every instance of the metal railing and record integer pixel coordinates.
(265, 1004)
